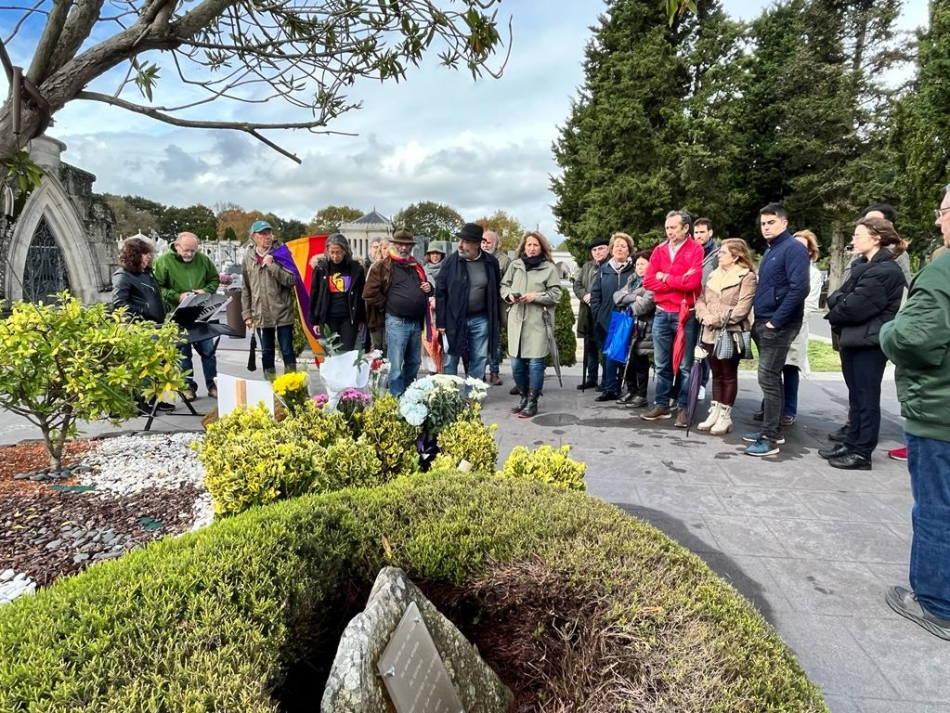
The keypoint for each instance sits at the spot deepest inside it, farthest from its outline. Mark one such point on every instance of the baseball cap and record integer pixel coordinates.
(259, 226)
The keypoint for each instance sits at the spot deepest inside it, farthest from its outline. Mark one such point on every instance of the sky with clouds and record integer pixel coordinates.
(479, 145)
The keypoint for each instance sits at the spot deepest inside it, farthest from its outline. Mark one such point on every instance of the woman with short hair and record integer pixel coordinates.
(531, 285)
(611, 276)
(133, 284)
(857, 310)
(725, 305)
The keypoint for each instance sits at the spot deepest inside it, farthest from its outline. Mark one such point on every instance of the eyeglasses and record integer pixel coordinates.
(938, 212)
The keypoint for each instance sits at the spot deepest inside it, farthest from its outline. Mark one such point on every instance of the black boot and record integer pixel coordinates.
(532, 407)
(524, 401)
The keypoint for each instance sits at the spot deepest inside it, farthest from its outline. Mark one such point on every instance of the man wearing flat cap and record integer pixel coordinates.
(397, 297)
(585, 324)
(466, 298)
(268, 300)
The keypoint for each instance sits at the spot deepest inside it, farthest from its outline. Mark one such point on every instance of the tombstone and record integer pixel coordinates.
(400, 654)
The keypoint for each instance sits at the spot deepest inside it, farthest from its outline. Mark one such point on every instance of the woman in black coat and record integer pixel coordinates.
(610, 277)
(336, 292)
(133, 284)
(869, 299)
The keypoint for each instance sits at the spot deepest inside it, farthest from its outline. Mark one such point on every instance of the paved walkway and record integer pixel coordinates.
(813, 548)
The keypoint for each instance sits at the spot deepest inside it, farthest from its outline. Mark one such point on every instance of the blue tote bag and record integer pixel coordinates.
(619, 335)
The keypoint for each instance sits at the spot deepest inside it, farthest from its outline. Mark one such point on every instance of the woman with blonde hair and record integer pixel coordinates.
(531, 285)
(611, 276)
(725, 304)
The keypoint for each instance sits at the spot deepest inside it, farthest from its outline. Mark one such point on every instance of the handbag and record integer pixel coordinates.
(619, 335)
(725, 347)
(744, 343)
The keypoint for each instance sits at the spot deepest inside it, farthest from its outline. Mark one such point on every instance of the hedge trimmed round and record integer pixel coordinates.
(239, 616)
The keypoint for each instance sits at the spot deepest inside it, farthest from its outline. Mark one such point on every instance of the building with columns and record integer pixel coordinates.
(362, 230)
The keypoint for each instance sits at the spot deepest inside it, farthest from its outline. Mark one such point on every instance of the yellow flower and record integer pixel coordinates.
(294, 381)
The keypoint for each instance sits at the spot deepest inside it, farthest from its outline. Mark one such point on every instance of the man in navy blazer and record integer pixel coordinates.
(779, 308)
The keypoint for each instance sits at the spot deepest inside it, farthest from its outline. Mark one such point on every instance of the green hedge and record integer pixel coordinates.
(214, 620)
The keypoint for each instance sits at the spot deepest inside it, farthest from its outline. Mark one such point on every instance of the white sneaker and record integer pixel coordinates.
(702, 393)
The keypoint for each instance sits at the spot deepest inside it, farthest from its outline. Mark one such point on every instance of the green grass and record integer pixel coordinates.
(821, 357)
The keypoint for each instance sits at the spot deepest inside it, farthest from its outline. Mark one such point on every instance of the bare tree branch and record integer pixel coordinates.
(28, 12)
(248, 128)
(47, 44)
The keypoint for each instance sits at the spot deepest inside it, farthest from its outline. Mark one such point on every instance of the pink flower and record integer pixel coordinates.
(320, 400)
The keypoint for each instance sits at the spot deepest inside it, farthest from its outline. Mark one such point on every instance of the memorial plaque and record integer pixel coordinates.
(413, 671)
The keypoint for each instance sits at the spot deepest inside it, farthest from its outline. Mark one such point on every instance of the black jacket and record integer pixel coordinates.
(869, 299)
(320, 293)
(451, 301)
(606, 281)
(140, 293)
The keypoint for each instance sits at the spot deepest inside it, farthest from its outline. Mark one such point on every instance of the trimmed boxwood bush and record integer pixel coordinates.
(215, 620)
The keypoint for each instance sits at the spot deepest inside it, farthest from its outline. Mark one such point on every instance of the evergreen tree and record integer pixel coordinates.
(921, 133)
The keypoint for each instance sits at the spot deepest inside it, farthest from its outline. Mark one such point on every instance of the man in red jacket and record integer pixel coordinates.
(675, 275)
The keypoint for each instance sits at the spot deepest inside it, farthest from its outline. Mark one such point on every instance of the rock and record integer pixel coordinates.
(80, 469)
(22, 476)
(37, 477)
(354, 685)
(7, 575)
(54, 544)
(81, 557)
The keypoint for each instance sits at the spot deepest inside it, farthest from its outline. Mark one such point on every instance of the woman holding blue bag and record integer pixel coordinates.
(723, 310)
(610, 277)
(638, 301)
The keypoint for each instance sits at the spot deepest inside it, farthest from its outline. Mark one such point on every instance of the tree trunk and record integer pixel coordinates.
(54, 440)
(837, 262)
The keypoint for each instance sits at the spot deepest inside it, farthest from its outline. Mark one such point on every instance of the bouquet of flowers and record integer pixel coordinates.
(436, 401)
(378, 373)
(352, 402)
(291, 389)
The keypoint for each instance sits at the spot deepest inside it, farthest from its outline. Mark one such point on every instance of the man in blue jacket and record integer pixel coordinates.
(466, 302)
(779, 309)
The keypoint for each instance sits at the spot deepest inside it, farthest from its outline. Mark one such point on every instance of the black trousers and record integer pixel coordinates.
(863, 371)
(637, 376)
(347, 331)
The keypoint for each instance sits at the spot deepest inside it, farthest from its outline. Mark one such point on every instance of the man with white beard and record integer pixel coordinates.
(182, 271)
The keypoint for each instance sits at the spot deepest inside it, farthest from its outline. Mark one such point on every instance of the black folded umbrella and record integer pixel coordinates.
(552, 344)
(252, 354)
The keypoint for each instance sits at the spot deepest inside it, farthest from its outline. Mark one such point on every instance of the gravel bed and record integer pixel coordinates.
(127, 491)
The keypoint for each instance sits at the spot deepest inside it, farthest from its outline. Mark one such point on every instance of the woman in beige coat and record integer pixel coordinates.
(725, 303)
(530, 285)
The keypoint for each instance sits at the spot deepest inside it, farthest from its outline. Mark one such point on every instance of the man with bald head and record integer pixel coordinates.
(181, 271)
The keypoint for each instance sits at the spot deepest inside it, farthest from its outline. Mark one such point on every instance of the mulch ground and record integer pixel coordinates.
(36, 514)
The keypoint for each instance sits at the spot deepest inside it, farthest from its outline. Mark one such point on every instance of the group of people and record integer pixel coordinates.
(701, 291)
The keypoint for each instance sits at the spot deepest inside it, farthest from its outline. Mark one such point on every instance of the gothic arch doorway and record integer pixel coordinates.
(44, 273)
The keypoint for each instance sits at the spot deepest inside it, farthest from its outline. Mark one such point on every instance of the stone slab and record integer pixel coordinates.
(355, 687)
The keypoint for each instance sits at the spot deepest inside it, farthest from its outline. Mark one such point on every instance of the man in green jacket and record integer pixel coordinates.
(181, 271)
(918, 342)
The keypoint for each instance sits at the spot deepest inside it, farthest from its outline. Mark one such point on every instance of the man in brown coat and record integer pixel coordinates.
(397, 298)
(268, 301)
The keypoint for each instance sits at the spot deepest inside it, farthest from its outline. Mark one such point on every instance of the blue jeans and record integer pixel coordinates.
(495, 361)
(929, 462)
(404, 349)
(285, 340)
(528, 373)
(209, 362)
(591, 360)
(773, 345)
(612, 371)
(476, 334)
(664, 332)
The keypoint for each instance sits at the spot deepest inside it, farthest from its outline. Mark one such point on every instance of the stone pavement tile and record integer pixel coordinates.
(840, 541)
(841, 704)
(894, 479)
(900, 504)
(889, 575)
(844, 589)
(762, 502)
(903, 532)
(914, 662)
(831, 656)
(866, 507)
(688, 529)
(752, 473)
(613, 490)
(743, 535)
(679, 498)
(752, 580)
(869, 705)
